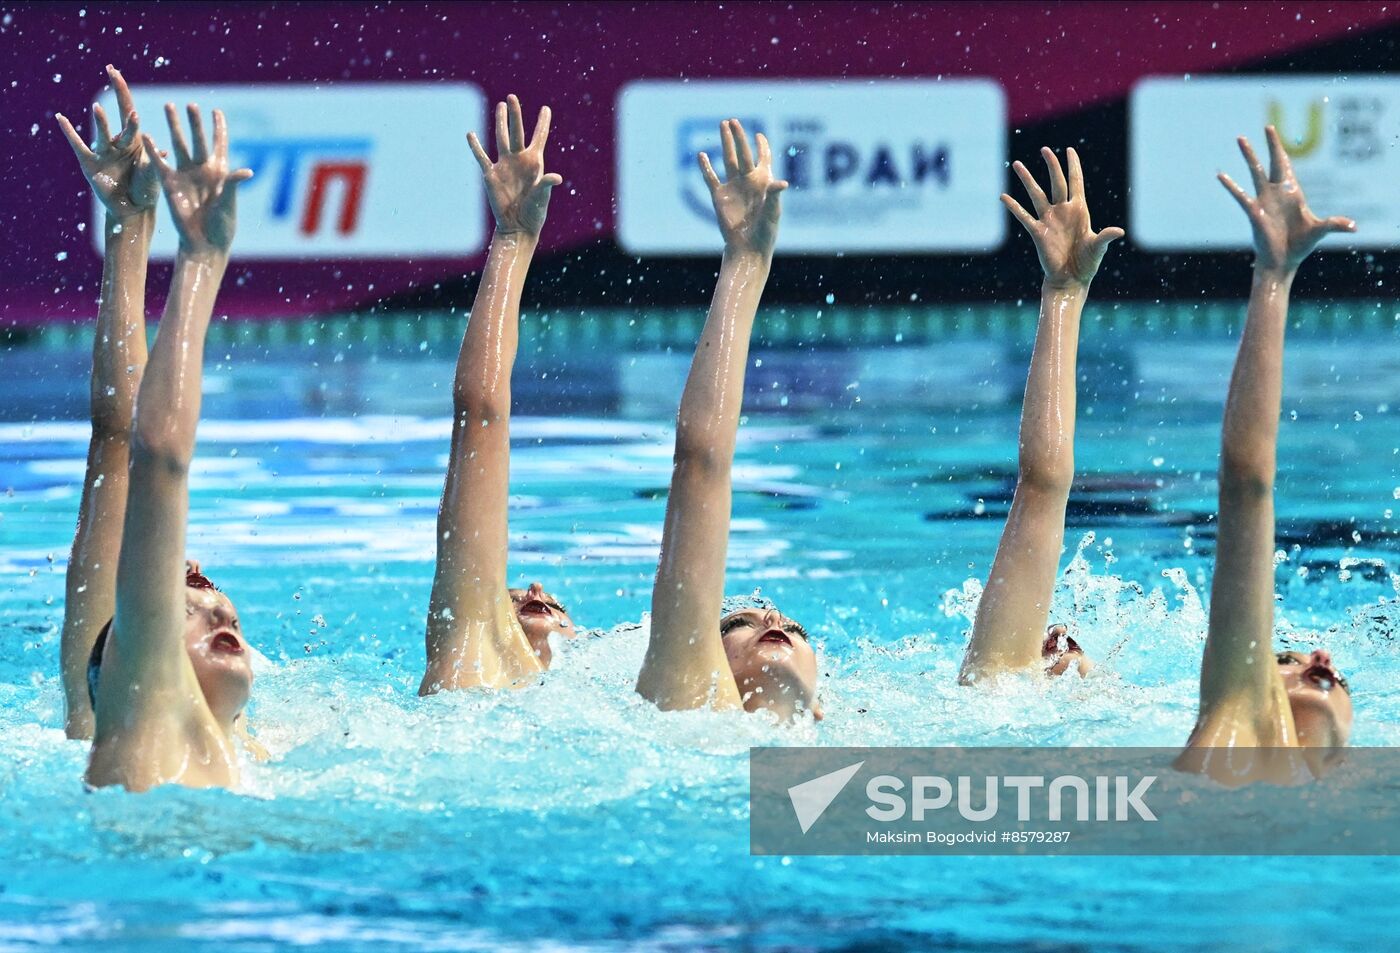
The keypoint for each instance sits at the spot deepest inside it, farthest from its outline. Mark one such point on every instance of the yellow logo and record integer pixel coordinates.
(1298, 148)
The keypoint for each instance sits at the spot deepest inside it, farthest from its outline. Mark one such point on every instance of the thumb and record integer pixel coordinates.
(1108, 236)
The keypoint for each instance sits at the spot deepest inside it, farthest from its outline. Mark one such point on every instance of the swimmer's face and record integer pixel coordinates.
(772, 661)
(1062, 654)
(1319, 698)
(541, 614)
(218, 651)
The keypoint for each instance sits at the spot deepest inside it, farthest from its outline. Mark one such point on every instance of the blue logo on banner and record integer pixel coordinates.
(328, 161)
(814, 162)
(702, 135)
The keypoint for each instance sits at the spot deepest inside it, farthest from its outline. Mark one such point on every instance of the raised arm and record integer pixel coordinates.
(1009, 630)
(149, 699)
(126, 184)
(685, 665)
(1242, 696)
(474, 638)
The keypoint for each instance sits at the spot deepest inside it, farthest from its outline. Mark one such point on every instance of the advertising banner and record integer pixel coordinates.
(347, 171)
(884, 166)
(1341, 132)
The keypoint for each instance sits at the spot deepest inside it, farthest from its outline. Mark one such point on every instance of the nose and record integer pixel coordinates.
(536, 590)
(1321, 657)
(772, 619)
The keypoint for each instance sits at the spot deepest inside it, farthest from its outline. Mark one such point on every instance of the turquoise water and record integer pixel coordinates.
(868, 491)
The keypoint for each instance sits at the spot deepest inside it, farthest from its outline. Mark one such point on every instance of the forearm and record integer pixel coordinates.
(167, 413)
(708, 420)
(119, 343)
(1048, 411)
(482, 381)
(1249, 433)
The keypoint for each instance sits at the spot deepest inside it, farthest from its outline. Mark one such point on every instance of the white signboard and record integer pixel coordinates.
(874, 166)
(345, 171)
(1342, 133)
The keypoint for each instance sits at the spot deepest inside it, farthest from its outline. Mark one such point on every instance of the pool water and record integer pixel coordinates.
(869, 492)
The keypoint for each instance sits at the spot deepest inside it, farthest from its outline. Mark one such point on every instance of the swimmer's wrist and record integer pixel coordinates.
(1063, 286)
(740, 253)
(128, 236)
(136, 226)
(206, 257)
(518, 237)
(1274, 273)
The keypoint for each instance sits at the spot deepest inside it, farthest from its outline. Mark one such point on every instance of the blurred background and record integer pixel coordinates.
(896, 119)
(896, 124)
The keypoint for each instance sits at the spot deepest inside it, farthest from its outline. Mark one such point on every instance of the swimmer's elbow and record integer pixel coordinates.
(701, 456)
(111, 418)
(161, 450)
(478, 409)
(1244, 476)
(1052, 478)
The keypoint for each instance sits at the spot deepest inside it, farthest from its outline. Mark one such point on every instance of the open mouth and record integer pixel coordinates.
(1321, 677)
(226, 643)
(777, 637)
(533, 607)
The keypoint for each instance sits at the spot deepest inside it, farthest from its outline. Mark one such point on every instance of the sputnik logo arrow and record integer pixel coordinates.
(810, 799)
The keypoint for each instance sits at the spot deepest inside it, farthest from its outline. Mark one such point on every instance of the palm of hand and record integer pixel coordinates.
(748, 211)
(123, 178)
(1067, 246)
(518, 194)
(202, 204)
(1285, 229)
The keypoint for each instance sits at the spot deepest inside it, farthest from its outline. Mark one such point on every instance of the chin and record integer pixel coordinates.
(229, 684)
(1315, 720)
(782, 682)
(537, 632)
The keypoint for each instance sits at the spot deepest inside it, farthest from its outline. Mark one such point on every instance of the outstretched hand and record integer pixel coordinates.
(199, 187)
(1285, 229)
(517, 186)
(1070, 250)
(124, 179)
(747, 206)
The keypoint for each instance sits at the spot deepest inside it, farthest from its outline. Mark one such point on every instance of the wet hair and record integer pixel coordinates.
(193, 580)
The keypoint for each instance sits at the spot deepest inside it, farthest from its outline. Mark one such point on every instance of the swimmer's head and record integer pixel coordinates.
(1061, 653)
(772, 659)
(214, 643)
(1320, 699)
(541, 614)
